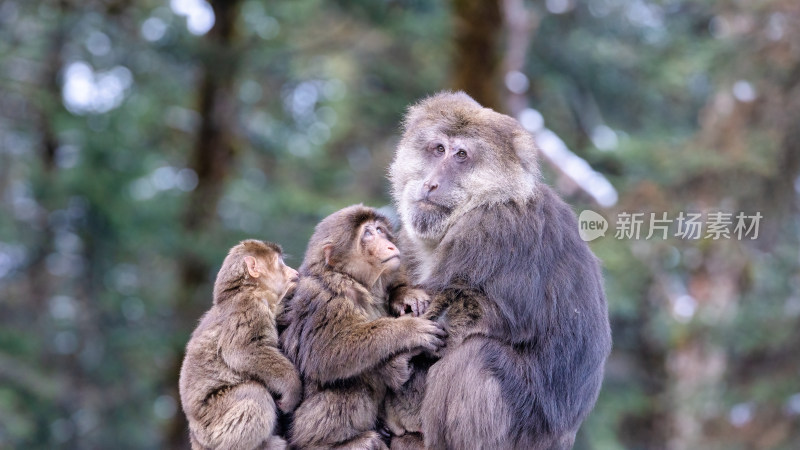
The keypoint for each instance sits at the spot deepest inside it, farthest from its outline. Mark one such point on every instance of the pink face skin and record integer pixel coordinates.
(277, 277)
(447, 158)
(376, 244)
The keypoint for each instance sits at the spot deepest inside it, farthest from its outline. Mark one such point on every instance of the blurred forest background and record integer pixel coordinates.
(140, 140)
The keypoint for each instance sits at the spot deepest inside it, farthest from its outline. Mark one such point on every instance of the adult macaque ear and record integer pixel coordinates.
(327, 251)
(527, 151)
(252, 268)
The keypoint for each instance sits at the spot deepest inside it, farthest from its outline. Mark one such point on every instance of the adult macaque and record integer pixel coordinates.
(233, 367)
(338, 333)
(519, 293)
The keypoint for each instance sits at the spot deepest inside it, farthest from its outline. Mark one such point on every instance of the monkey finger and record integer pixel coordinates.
(415, 307)
(423, 306)
(400, 310)
(434, 345)
(436, 329)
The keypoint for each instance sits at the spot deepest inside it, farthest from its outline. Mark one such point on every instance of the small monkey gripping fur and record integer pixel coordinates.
(233, 368)
(348, 351)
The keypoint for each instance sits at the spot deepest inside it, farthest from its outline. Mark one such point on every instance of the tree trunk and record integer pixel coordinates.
(476, 59)
(212, 158)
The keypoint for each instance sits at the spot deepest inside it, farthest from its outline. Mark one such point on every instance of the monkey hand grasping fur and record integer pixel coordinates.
(340, 336)
(233, 366)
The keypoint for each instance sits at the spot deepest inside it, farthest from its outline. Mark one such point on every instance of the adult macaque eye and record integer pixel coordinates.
(461, 154)
(367, 234)
(439, 149)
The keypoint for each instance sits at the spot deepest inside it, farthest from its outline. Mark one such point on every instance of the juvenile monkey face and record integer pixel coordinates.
(275, 274)
(289, 276)
(376, 248)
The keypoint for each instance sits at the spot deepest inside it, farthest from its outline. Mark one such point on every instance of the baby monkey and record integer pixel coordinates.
(233, 367)
(349, 352)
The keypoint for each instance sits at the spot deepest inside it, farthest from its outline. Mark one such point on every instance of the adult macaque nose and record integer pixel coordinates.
(430, 185)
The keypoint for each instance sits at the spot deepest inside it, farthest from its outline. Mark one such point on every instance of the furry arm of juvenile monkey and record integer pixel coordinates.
(242, 353)
(334, 357)
(340, 362)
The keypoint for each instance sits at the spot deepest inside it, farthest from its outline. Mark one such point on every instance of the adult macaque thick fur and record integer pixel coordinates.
(519, 293)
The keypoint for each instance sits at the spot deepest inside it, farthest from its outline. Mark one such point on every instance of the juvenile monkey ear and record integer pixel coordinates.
(252, 269)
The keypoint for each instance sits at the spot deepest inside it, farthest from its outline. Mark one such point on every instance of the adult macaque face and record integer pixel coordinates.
(440, 191)
(456, 156)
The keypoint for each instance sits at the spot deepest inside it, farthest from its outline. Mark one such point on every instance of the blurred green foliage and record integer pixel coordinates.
(100, 119)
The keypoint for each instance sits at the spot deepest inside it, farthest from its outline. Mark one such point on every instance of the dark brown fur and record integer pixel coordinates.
(233, 366)
(519, 293)
(339, 336)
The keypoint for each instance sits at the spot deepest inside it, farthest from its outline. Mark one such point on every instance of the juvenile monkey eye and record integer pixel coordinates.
(461, 154)
(439, 149)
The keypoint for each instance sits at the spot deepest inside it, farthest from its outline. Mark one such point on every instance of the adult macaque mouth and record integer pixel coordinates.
(428, 204)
